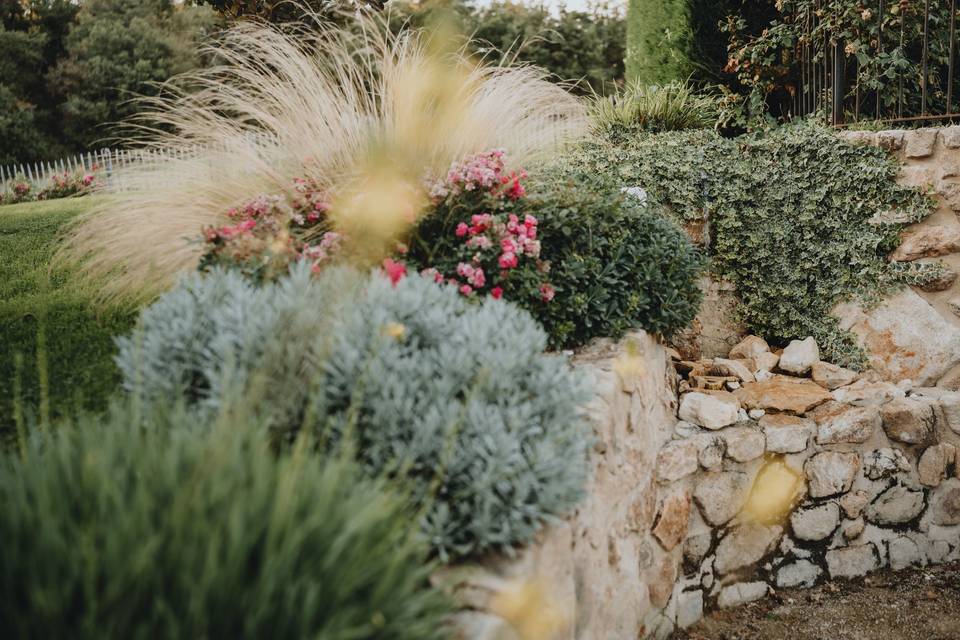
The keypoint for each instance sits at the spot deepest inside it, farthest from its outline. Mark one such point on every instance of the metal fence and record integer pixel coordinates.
(883, 60)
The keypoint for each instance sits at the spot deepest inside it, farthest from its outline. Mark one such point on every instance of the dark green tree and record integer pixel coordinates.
(659, 41)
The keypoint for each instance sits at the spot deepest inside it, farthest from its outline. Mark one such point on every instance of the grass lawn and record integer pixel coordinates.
(56, 350)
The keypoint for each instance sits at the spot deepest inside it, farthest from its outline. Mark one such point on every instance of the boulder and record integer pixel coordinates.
(865, 393)
(920, 143)
(934, 463)
(904, 337)
(671, 527)
(748, 348)
(830, 376)
(765, 362)
(801, 573)
(831, 472)
(677, 459)
(735, 595)
(927, 242)
(799, 356)
(786, 433)
(744, 443)
(782, 393)
(732, 368)
(896, 505)
(713, 411)
(842, 423)
(945, 504)
(721, 495)
(815, 523)
(902, 553)
(745, 546)
(885, 463)
(911, 420)
(852, 562)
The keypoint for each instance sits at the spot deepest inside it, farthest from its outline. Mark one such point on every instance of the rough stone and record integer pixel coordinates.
(891, 140)
(885, 463)
(765, 362)
(934, 462)
(815, 523)
(685, 430)
(910, 420)
(712, 411)
(921, 142)
(749, 347)
(744, 546)
(741, 593)
(928, 242)
(896, 505)
(744, 443)
(831, 472)
(950, 405)
(734, 368)
(786, 433)
(852, 562)
(945, 504)
(903, 552)
(799, 356)
(721, 495)
(950, 136)
(689, 608)
(839, 423)
(853, 503)
(950, 380)
(941, 283)
(801, 573)
(830, 376)
(671, 527)
(660, 582)
(904, 337)
(711, 452)
(676, 460)
(695, 548)
(783, 393)
(853, 528)
(863, 393)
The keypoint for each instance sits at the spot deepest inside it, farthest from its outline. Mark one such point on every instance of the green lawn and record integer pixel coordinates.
(56, 349)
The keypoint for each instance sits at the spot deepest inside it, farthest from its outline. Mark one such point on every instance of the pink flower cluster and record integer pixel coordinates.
(483, 172)
(319, 255)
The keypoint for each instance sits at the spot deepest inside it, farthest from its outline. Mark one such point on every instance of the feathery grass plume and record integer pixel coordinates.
(319, 102)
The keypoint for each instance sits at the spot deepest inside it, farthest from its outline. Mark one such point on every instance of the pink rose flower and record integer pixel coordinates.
(394, 270)
(496, 292)
(466, 289)
(547, 292)
(461, 229)
(508, 260)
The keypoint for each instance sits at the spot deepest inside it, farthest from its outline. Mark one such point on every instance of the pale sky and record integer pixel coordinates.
(570, 4)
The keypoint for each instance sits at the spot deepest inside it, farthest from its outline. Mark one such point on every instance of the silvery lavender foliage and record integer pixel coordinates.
(458, 401)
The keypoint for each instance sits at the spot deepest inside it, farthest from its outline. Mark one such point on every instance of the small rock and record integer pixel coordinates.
(799, 356)
(695, 548)
(744, 546)
(841, 423)
(950, 404)
(950, 380)
(896, 505)
(711, 411)
(815, 523)
(801, 573)
(741, 593)
(853, 528)
(902, 553)
(934, 462)
(671, 527)
(684, 430)
(743, 416)
(720, 496)
(891, 140)
(830, 376)
(945, 504)
(749, 347)
(765, 362)
(866, 394)
(711, 452)
(735, 368)
(744, 443)
(677, 459)
(756, 414)
(927, 242)
(732, 385)
(946, 279)
(689, 608)
(950, 137)
(921, 142)
(852, 562)
(786, 433)
(783, 393)
(853, 503)
(910, 420)
(831, 472)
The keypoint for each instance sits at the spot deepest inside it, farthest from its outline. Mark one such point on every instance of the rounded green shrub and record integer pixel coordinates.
(456, 399)
(161, 526)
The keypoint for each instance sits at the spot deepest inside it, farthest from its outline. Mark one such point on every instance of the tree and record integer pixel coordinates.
(116, 51)
(286, 10)
(659, 41)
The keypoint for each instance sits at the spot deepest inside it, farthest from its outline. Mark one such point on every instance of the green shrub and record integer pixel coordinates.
(675, 106)
(160, 527)
(458, 399)
(785, 216)
(659, 41)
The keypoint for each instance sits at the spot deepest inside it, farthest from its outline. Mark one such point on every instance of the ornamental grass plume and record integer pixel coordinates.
(338, 107)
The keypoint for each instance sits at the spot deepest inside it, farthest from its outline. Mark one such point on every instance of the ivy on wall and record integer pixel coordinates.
(785, 215)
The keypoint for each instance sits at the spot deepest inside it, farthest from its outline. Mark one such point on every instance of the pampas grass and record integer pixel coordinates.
(322, 103)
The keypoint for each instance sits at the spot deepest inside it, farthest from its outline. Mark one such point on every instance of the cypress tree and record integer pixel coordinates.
(659, 40)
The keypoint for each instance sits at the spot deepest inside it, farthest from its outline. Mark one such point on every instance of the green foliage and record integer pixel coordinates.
(659, 41)
(457, 399)
(675, 106)
(785, 216)
(154, 526)
(287, 10)
(55, 350)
